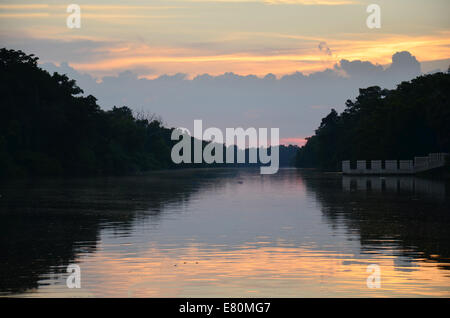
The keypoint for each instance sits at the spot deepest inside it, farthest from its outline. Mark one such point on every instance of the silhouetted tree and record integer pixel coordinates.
(48, 128)
(411, 120)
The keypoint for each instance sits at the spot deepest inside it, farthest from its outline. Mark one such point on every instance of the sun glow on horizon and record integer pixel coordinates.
(195, 37)
(186, 39)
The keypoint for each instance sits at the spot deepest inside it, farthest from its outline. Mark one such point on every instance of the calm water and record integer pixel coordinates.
(225, 232)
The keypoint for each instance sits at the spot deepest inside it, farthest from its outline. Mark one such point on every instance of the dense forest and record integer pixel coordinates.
(381, 124)
(48, 128)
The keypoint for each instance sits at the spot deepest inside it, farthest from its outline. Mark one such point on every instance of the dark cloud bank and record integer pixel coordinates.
(295, 103)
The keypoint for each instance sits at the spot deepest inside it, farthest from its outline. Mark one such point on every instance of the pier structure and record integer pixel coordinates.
(419, 164)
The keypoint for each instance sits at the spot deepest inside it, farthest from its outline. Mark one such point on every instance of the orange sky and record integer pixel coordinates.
(218, 36)
(246, 37)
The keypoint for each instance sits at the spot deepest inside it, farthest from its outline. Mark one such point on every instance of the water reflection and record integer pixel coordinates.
(433, 188)
(225, 232)
(405, 214)
(47, 224)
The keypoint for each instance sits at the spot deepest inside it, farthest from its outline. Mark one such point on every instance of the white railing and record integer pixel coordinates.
(420, 164)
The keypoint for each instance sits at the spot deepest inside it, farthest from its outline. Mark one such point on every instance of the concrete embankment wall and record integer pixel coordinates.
(419, 164)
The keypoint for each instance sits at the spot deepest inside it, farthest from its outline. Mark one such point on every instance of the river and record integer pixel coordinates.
(226, 233)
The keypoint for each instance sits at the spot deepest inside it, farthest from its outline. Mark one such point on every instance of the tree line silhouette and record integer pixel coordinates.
(382, 124)
(48, 128)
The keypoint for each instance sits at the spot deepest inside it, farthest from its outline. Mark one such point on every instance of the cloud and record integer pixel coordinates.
(359, 68)
(32, 15)
(287, 2)
(11, 6)
(403, 66)
(323, 47)
(256, 53)
(231, 100)
(313, 2)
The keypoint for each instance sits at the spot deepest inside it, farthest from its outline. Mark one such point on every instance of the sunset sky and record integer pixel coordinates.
(246, 37)
(217, 36)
